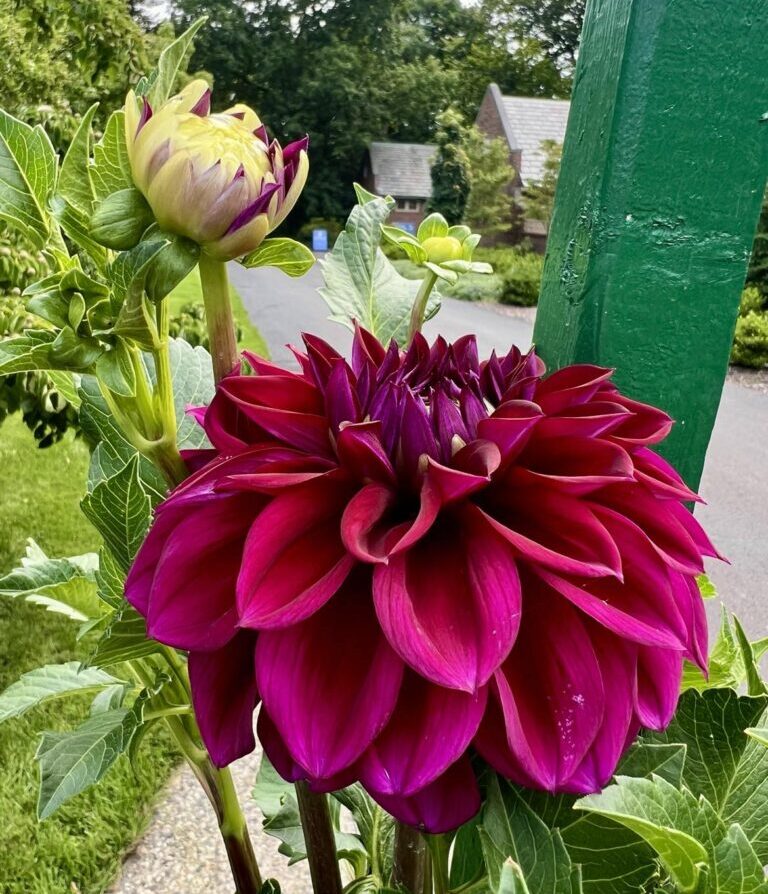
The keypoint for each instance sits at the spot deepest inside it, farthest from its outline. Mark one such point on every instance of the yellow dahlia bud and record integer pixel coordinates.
(214, 178)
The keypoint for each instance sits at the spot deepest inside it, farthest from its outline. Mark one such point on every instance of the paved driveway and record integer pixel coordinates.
(735, 480)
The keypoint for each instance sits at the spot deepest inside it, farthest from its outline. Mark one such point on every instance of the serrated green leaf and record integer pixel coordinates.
(63, 586)
(115, 370)
(361, 284)
(512, 880)
(277, 801)
(669, 820)
(192, 375)
(288, 255)
(755, 685)
(110, 698)
(375, 826)
(75, 224)
(510, 828)
(27, 352)
(50, 682)
(120, 508)
(69, 350)
(110, 580)
(169, 64)
(706, 587)
(111, 169)
(74, 180)
(172, 264)
(737, 869)
(67, 384)
(124, 639)
(72, 761)
(27, 178)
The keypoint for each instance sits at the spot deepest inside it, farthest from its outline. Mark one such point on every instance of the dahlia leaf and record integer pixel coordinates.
(192, 375)
(737, 869)
(111, 170)
(672, 822)
(74, 180)
(170, 63)
(277, 801)
(288, 255)
(72, 761)
(50, 682)
(732, 662)
(512, 880)
(63, 586)
(510, 828)
(120, 508)
(30, 351)
(124, 639)
(361, 284)
(375, 827)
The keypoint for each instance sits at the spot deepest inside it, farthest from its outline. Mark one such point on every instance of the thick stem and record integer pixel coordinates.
(410, 858)
(420, 304)
(218, 315)
(319, 840)
(439, 847)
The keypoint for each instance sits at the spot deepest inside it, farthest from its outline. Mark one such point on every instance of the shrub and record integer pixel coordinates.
(475, 287)
(189, 324)
(333, 226)
(751, 300)
(750, 344)
(519, 269)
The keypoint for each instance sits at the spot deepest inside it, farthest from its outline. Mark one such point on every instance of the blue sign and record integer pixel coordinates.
(405, 225)
(319, 240)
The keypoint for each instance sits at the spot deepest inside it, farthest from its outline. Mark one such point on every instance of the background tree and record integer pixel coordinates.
(489, 208)
(450, 169)
(539, 197)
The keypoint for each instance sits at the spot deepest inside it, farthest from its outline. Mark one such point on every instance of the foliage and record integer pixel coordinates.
(757, 274)
(402, 61)
(539, 197)
(520, 271)
(750, 342)
(489, 208)
(450, 169)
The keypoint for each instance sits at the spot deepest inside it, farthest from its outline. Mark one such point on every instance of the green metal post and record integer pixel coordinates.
(663, 170)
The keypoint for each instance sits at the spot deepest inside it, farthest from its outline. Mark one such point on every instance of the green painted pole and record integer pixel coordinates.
(664, 165)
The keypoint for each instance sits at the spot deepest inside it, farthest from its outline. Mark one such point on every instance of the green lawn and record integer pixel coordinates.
(189, 292)
(80, 847)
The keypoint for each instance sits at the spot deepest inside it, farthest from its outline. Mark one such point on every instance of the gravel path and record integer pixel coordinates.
(181, 852)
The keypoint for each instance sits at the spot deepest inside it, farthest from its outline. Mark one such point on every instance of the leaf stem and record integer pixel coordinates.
(410, 858)
(319, 840)
(218, 315)
(420, 304)
(439, 847)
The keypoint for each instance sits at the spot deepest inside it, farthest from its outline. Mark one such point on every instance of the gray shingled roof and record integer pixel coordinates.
(529, 122)
(402, 169)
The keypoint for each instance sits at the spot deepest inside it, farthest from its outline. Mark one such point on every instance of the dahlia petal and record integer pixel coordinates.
(447, 803)
(557, 531)
(416, 438)
(658, 686)
(224, 696)
(304, 431)
(341, 404)
(510, 427)
(311, 687)
(429, 730)
(452, 484)
(366, 348)
(646, 424)
(588, 420)
(450, 605)
(691, 607)
(361, 452)
(570, 386)
(293, 559)
(447, 422)
(660, 477)
(574, 465)
(275, 750)
(284, 392)
(551, 694)
(360, 523)
(192, 602)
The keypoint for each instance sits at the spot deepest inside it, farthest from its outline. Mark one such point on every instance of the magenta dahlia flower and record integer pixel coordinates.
(416, 554)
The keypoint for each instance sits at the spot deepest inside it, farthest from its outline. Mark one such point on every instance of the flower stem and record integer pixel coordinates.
(319, 840)
(438, 850)
(420, 304)
(218, 315)
(410, 858)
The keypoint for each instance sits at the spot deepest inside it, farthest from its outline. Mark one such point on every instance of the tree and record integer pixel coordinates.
(539, 197)
(758, 263)
(450, 169)
(489, 209)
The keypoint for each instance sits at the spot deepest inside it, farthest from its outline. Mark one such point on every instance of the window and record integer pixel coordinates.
(408, 205)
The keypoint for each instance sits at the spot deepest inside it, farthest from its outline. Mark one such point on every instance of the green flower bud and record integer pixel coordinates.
(442, 248)
(120, 219)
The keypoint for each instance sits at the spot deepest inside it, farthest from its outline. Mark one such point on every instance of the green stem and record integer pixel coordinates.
(420, 304)
(319, 840)
(410, 858)
(438, 850)
(218, 315)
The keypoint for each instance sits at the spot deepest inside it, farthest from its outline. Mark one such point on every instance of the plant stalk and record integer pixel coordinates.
(218, 315)
(439, 847)
(420, 304)
(410, 858)
(319, 840)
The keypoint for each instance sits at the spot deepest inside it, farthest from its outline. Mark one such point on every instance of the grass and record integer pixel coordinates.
(79, 848)
(188, 292)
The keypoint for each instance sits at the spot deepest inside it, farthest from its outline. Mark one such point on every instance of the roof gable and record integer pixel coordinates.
(402, 169)
(528, 122)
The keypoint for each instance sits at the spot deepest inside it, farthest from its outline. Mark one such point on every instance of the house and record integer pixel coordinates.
(525, 123)
(401, 170)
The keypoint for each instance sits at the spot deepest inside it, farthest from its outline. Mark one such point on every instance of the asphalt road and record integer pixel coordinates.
(735, 482)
